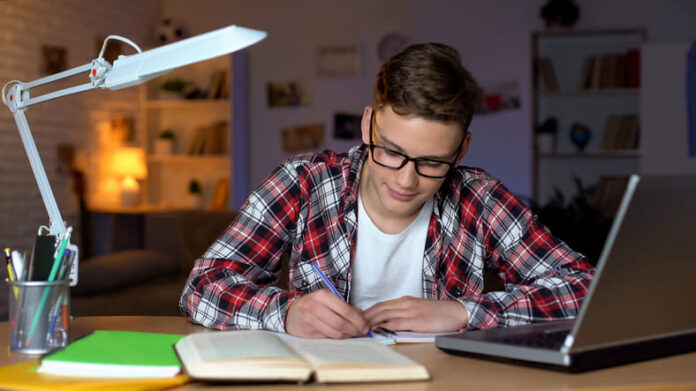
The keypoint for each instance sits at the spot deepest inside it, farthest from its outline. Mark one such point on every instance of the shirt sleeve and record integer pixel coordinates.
(232, 285)
(544, 279)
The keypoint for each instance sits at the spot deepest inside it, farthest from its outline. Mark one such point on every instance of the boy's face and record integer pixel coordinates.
(394, 196)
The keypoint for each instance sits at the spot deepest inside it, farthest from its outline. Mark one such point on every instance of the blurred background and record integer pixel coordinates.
(579, 95)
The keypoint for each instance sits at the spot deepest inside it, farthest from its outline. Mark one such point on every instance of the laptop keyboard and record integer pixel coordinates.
(546, 340)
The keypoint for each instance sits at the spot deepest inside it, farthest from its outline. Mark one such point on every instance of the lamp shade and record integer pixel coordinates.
(129, 162)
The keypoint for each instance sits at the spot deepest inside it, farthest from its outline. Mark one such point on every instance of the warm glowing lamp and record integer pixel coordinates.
(128, 164)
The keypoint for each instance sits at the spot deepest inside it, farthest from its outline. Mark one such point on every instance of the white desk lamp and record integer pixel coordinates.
(126, 71)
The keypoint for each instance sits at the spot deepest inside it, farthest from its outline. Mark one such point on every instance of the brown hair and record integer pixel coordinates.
(428, 80)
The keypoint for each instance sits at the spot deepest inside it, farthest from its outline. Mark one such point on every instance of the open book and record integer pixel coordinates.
(255, 355)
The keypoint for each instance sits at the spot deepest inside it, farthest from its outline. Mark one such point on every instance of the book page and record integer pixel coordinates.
(241, 345)
(359, 353)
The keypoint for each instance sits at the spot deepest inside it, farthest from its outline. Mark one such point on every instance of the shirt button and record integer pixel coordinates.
(305, 284)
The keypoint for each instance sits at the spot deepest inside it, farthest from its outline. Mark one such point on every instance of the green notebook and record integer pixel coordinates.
(106, 353)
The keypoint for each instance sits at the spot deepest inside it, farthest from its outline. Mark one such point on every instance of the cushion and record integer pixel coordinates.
(121, 269)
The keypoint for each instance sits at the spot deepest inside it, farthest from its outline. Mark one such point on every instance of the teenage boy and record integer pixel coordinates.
(402, 232)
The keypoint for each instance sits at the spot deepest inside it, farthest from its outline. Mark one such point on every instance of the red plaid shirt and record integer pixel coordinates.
(308, 208)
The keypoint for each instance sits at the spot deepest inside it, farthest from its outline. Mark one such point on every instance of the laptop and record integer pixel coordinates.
(641, 303)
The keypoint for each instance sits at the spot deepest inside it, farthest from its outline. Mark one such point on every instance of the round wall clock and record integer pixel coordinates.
(390, 44)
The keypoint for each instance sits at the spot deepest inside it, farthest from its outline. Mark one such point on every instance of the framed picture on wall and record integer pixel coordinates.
(347, 126)
(499, 96)
(338, 61)
(294, 93)
(302, 138)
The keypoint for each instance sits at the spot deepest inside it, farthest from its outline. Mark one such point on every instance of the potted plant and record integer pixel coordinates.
(173, 89)
(164, 144)
(195, 194)
(577, 221)
(546, 135)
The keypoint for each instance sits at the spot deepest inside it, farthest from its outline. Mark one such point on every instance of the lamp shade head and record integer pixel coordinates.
(139, 68)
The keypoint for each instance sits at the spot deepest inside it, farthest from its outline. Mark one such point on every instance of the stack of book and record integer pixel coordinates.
(621, 133)
(208, 140)
(545, 70)
(608, 194)
(613, 70)
(219, 86)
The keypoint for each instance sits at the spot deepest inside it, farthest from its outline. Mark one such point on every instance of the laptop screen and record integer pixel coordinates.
(643, 287)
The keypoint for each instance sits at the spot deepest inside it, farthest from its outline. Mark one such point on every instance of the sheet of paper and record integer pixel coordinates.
(384, 339)
(326, 352)
(408, 336)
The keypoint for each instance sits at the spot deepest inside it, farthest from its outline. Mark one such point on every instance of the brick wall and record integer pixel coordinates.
(77, 25)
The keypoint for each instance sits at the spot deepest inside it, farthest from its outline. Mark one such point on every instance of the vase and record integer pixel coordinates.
(164, 146)
(545, 142)
(196, 200)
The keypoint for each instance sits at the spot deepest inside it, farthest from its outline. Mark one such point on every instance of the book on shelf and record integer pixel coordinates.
(545, 69)
(586, 73)
(621, 72)
(611, 71)
(621, 132)
(630, 132)
(219, 202)
(219, 88)
(607, 63)
(257, 355)
(633, 68)
(208, 140)
(596, 74)
(608, 194)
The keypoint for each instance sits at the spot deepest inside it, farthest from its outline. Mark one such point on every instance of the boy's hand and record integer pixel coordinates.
(322, 314)
(420, 315)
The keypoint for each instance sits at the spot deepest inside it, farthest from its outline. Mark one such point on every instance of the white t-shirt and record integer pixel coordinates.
(388, 266)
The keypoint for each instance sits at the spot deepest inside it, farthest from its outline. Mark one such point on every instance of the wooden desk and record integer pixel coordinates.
(448, 372)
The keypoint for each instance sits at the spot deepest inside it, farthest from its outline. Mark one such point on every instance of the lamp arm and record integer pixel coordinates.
(57, 225)
(16, 95)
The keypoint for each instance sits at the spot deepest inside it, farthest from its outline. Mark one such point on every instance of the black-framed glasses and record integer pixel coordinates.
(389, 158)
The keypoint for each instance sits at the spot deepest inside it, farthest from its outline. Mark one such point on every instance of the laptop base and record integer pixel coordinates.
(599, 358)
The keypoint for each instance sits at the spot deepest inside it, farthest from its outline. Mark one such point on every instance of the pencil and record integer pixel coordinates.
(331, 287)
(51, 277)
(10, 272)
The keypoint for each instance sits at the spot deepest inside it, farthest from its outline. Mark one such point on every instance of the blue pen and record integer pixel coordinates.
(331, 286)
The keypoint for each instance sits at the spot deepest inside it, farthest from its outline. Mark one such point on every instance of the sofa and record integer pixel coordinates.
(147, 280)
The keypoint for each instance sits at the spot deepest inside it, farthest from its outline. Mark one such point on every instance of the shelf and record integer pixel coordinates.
(203, 123)
(187, 103)
(588, 33)
(618, 154)
(138, 209)
(568, 60)
(180, 158)
(599, 92)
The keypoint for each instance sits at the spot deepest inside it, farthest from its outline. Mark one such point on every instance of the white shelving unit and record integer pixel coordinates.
(169, 176)
(570, 104)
